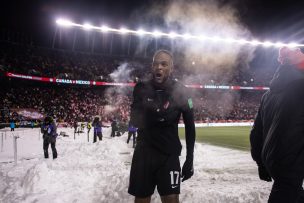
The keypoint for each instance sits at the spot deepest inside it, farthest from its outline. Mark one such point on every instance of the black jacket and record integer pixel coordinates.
(277, 137)
(156, 112)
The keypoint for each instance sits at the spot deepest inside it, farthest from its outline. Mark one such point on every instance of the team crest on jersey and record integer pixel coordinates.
(190, 103)
(166, 105)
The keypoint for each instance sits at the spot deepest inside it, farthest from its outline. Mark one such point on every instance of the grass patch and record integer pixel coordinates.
(232, 137)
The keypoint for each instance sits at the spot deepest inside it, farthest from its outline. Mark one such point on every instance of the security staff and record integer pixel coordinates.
(89, 127)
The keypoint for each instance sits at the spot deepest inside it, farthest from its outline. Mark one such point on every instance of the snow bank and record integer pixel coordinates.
(99, 172)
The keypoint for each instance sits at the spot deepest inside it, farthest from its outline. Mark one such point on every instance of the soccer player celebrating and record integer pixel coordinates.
(155, 111)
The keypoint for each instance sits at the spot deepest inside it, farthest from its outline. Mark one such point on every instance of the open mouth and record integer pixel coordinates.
(158, 75)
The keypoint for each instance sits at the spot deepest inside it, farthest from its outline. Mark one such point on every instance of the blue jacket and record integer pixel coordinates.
(49, 129)
(12, 125)
(132, 129)
(97, 127)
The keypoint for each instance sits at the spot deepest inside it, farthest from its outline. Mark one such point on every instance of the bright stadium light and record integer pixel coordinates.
(104, 28)
(202, 37)
(255, 42)
(267, 44)
(292, 45)
(156, 33)
(172, 35)
(278, 44)
(229, 40)
(140, 32)
(63, 22)
(123, 30)
(215, 38)
(241, 41)
(186, 36)
(87, 26)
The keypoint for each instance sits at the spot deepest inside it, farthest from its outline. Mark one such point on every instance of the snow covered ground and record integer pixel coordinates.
(86, 172)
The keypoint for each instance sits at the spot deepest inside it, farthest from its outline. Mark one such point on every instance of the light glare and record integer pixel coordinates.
(63, 22)
(87, 26)
(104, 28)
(140, 32)
(186, 36)
(172, 35)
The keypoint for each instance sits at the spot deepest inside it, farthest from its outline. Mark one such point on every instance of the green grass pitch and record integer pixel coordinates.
(232, 137)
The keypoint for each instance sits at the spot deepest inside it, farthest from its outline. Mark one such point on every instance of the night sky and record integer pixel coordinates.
(263, 17)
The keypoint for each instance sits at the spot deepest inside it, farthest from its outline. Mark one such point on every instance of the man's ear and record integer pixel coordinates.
(171, 69)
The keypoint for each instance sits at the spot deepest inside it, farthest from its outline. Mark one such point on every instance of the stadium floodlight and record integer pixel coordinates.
(202, 37)
(87, 26)
(215, 38)
(67, 23)
(186, 36)
(241, 41)
(172, 35)
(267, 44)
(255, 42)
(140, 32)
(64, 22)
(229, 40)
(123, 30)
(291, 45)
(104, 28)
(279, 44)
(156, 33)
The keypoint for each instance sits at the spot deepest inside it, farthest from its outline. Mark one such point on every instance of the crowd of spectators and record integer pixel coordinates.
(46, 62)
(69, 104)
(223, 106)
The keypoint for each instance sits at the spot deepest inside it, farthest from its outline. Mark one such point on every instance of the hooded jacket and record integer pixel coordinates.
(277, 137)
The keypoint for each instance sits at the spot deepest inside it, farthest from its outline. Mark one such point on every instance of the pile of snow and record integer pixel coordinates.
(99, 172)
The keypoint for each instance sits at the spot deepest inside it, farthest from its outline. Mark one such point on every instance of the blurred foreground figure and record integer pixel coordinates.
(155, 111)
(277, 137)
(49, 131)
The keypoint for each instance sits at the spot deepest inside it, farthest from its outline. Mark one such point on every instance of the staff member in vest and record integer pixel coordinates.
(89, 127)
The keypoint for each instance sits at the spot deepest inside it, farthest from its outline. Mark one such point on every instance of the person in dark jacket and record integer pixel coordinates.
(277, 137)
(97, 129)
(32, 124)
(114, 128)
(156, 110)
(75, 125)
(132, 132)
(49, 131)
